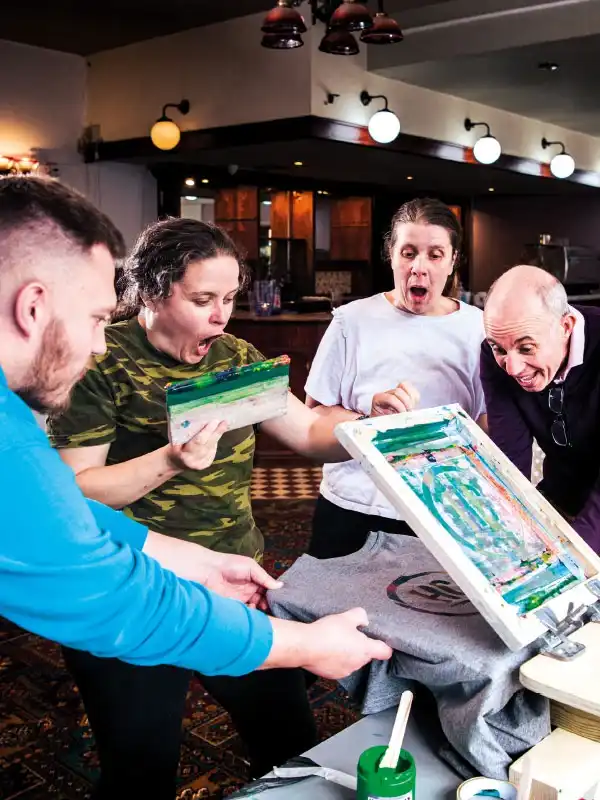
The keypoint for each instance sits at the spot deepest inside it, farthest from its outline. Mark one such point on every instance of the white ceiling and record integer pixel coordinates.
(483, 50)
(488, 51)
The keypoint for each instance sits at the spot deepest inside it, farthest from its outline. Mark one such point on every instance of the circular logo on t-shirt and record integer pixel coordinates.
(431, 593)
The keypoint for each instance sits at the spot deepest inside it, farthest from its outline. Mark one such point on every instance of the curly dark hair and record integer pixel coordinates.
(162, 254)
(430, 211)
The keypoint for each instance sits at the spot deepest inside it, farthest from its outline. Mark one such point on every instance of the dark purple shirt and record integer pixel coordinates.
(571, 479)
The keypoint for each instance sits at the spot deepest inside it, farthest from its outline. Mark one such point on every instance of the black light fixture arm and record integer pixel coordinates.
(469, 125)
(546, 143)
(366, 98)
(183, 107)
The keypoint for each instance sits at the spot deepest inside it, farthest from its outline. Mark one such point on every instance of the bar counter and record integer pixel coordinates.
(294, 334)
(286, 316)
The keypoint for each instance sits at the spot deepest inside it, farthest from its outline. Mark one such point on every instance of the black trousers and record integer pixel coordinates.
(136, 715)
(337, 532)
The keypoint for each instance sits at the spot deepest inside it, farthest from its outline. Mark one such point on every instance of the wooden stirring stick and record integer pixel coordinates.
(392, 754)
(526, 779)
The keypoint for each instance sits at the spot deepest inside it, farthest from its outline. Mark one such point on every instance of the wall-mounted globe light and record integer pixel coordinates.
(165, 133)
(562, 164)
(487, 148)
(384, 125)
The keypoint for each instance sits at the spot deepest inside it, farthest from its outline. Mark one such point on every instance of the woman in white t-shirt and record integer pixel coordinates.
(416, 338)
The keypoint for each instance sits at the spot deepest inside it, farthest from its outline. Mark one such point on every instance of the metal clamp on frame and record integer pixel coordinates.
(555, 643)
(594, 609)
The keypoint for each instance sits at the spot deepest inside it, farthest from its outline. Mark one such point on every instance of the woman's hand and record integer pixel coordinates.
(395, 401)
(200, 451)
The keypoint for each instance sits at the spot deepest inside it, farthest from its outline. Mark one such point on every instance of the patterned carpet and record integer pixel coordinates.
(46, 747)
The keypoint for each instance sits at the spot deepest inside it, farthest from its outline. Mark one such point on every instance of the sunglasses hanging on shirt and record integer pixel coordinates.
(558, 429)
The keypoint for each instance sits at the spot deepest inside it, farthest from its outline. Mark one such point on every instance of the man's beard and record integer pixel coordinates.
(48, 384)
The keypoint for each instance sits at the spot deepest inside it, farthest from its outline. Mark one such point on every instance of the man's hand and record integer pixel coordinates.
(238, 577)
(395, 401)
(199, 452)
(332, 647)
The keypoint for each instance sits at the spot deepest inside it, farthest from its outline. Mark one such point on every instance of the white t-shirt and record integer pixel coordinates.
(372, 346)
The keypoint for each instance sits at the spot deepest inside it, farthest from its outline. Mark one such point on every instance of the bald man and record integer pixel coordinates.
(540, 370)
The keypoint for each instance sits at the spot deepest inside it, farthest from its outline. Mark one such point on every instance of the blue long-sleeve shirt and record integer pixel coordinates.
(72, 570)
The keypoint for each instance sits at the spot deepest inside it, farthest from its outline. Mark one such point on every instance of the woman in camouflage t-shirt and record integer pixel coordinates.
(181, 278)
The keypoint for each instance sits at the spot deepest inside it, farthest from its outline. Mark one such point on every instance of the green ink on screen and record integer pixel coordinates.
(515, 550)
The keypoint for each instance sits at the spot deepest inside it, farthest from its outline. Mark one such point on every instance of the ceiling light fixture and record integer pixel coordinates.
(385, 29)
(190, 182)
(409, 177)
(165, 133)
(284, 19)
(487, 149)
(350, 16)
(278, 41)
(298, 163)
(562, 164)
(283, 26)
(339, 43)
(23, 165)
(205, 180)
(384, 125)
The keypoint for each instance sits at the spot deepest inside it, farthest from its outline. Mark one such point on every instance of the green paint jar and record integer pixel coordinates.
(375, 782)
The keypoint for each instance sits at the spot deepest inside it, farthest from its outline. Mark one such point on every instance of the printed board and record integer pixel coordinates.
(239, 396)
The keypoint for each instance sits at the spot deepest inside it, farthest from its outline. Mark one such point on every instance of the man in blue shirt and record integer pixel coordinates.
(74, 570)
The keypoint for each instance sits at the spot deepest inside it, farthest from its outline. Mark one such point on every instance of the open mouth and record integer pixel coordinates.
(527, 381)
(417, 292)
(204, 344)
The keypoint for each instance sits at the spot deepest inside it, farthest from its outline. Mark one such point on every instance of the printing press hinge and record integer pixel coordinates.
(554, 642)
(594, 609)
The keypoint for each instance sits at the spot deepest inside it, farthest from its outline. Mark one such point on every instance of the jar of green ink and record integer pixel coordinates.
(376, 783)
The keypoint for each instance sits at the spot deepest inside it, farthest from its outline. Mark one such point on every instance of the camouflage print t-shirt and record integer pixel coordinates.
(121, 402)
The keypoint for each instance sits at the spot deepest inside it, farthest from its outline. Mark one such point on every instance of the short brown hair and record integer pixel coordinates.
(32, 201)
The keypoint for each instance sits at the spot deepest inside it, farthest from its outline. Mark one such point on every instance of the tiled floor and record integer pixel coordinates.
(284, 483)
(302, 483)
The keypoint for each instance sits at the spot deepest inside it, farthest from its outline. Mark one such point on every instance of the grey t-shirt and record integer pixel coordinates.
(439, 640)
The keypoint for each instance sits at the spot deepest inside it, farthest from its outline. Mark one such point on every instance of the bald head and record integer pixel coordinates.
(528, 324)
(526, 287)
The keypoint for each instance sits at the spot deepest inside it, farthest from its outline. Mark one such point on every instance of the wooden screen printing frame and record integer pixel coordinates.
(516, 628)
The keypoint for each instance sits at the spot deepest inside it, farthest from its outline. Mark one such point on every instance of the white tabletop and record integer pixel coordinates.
(435, 780)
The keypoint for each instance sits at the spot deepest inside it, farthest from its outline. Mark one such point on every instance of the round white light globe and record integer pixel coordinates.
(487, 150)
(165, 134)
(384, 126)
(562, 165)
